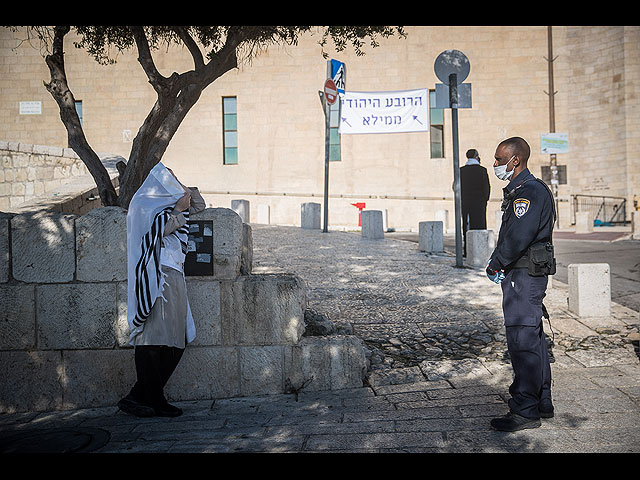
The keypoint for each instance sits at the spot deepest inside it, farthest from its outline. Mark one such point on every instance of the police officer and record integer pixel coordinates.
(521, 261)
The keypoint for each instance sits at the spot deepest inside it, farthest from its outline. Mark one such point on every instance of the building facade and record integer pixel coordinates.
(258, 132)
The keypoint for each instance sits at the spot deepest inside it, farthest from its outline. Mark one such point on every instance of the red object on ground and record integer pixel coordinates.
(360, 206)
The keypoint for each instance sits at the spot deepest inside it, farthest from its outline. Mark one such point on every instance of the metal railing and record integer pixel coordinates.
(605, 211)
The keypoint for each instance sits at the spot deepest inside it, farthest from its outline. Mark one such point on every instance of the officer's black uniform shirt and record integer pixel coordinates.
(528, 219)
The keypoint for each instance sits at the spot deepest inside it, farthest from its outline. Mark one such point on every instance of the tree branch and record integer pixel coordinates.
(157, 81)
(191, 45)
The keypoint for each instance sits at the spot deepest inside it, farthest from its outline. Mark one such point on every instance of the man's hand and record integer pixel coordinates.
(495, 276)
(184, 203)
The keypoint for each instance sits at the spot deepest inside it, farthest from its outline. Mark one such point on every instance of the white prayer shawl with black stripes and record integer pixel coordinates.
(147, 216)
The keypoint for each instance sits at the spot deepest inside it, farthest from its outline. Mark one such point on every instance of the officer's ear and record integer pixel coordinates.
(516, 161)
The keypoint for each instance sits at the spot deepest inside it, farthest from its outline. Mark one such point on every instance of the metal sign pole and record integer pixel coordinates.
(327, 125)
(327, 117)
(453, 99)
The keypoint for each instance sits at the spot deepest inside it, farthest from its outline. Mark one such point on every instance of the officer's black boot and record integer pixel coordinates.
(512, 422)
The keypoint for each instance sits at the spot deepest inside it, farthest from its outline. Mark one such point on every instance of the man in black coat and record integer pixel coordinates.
(474, 193)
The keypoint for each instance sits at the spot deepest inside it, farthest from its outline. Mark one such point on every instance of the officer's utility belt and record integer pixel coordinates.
(539, 260)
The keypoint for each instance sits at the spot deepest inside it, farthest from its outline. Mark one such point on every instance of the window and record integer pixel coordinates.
(436, 127)
(79, 110)
(334, 136)
(230, 131)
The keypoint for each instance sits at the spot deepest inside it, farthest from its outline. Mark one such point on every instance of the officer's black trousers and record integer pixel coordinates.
(532, 374)
(154, 366)
(522, 307)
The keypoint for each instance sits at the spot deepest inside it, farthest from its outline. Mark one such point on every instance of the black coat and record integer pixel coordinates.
(474, 193)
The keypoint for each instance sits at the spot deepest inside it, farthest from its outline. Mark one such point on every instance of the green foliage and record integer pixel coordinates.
(101, 40)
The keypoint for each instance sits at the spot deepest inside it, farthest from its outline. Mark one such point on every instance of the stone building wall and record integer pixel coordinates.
(281, 122)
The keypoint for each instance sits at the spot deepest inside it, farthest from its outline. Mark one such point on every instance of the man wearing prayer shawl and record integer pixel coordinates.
(159, 316)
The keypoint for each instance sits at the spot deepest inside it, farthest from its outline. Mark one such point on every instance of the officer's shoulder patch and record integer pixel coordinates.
(521, 206)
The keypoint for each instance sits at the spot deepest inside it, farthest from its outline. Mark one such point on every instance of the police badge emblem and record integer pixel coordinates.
(520, 206)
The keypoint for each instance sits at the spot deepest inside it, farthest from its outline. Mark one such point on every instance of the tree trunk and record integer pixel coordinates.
(59, 89)
(153, 138)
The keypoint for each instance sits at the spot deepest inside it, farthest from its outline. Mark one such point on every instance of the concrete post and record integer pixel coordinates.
(430, 236)
(480, 245)
(590, 289)
(241, 207)
(264, 214)
(584, 222)
(635, 222)
(310, 215)
(443, 216)
(372, 224)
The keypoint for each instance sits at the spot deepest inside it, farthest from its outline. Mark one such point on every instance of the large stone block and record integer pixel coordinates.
(101, 245)
(261, 370)
(17, 317)
(95, 378)
(372, 224)
(71, 316)
(204, 300)
(430, 236)
(246, 258)
(204, 373)
(589, 289)
(121, 328)
(30, 381)
(480, 246)
(310, 215)
(263, 310)
(227, 240)
(326, 363)
(42, 247)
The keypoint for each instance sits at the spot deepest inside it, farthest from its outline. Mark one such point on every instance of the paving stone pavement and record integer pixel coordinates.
(438, 369)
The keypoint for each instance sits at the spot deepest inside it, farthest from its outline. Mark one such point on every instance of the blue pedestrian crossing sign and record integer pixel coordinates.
(339, 75)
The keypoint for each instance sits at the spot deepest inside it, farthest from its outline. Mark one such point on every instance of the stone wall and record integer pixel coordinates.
(41, 177)
(64, 331)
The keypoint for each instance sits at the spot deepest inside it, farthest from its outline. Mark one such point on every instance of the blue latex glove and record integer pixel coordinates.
(495, 276)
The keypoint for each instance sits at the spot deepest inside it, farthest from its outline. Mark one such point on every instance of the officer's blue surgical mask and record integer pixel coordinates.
(501, 170)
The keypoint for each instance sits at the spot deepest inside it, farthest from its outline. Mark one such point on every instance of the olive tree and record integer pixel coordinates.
(215, 50)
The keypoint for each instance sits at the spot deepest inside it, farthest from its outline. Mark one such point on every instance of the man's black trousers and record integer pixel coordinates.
(154, 366)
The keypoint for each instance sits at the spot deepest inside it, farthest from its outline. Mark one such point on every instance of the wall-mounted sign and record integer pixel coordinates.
(30, 108)
(554, 143)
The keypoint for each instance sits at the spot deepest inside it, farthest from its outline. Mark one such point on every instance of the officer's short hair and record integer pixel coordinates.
(518, 146)
(472, 153)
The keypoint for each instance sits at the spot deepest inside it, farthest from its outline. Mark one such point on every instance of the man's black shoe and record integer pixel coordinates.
(167, 410)
(512, 422)
(133, 407)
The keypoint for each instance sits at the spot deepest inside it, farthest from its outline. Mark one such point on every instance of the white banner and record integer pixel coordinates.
(385, 112)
